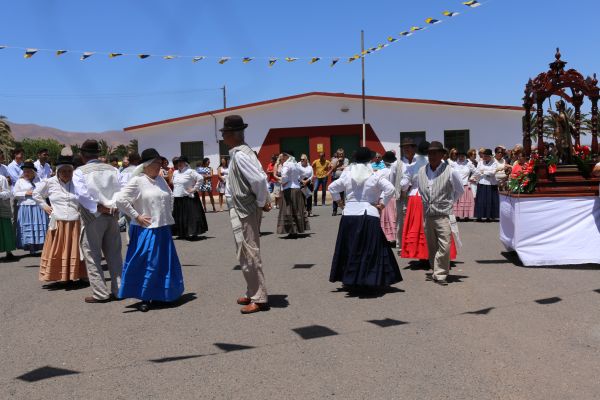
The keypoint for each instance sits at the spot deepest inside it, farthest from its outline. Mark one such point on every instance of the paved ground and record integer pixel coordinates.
(498, 331)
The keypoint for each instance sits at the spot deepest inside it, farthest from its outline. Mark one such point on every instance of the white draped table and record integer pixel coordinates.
(551, 230)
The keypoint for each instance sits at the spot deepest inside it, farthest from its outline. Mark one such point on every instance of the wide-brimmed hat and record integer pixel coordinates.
(233, 123)
(90, 146)
(28, 164)
(363, 155)
(389, 157)
(408, 142)
(149, 154)
(65, 160)
(436, 146)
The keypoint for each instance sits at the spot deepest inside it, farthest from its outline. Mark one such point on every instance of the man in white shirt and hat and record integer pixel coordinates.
(409, 149)
(247, 195)
(96, 184)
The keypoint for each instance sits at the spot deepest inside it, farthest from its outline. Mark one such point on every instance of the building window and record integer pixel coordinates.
(223, 149)
(417, 137)
(194, 151)
(457, 139)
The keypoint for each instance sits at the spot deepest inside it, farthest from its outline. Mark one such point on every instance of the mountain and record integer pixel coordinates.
(22, 131)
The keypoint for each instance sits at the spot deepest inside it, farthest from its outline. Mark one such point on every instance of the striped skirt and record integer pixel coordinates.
(60, 259)
(388, 221)
(32, 224)
(465, 206)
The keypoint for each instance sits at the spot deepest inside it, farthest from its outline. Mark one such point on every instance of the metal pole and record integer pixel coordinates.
(224, 88)
(362, 61)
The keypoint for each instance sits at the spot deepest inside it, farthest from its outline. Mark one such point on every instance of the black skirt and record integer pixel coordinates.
(189, 217)
(362, 255)
(487, 202)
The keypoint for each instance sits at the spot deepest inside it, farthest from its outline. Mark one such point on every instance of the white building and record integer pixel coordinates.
(313, 122)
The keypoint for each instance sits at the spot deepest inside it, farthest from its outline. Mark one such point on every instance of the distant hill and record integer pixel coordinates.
(22, 131)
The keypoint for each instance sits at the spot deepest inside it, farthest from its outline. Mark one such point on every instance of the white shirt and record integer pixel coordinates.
(5, 192)
(185, 180)
(4, 171)
(150, 197)
(125, 175)
(98, 187)
(21, 188)
(305, 172)
(410, 180)
(290, 175)
(254, 174)
(361, 198)
(486, 171)
(457, 186)
(63, 197)
(43, 172)
(15, 171)
(464, 169)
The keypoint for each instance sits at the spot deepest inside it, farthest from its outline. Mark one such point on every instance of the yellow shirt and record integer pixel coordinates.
(321, 169)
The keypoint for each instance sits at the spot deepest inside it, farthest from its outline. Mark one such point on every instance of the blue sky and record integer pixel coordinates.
(483, 55)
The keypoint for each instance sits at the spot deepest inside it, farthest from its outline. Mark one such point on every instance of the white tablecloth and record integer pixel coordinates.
(551, 230)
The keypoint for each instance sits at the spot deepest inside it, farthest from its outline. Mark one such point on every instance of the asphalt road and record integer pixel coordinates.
(497, 331)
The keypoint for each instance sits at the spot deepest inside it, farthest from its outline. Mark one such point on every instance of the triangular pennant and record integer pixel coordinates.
(314, 60)
(405, 33)
(60, 52)
(334, 61)
(2, 47)
(432, 21)
(416, 28)
(198, 58)
(87, 54)
(246, 60)
(450, 13)
(354, 57)
(142, 56)
(272, 61)
(391, 39)
(168, 57)
(113, 55)
(223, 60)
(472, 3)
(30, 52)
(290, 59)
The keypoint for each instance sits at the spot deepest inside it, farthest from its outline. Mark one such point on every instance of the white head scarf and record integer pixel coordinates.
(140, 168)
(360, 172)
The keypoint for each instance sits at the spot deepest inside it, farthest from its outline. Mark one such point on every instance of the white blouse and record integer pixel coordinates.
(464, 169)
(410, 180)
(364, 197)
(185, 180)
(486, 171)
(150, 197)
(63, 197)
(23, 186)
(305, 172)
(290, 176)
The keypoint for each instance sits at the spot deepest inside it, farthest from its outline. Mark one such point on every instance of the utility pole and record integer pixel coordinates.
(224, 89)
(362, 61)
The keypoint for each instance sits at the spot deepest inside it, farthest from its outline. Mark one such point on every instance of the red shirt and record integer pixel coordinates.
(270, 172)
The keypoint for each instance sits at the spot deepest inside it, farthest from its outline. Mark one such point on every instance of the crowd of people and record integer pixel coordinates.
(410, 201)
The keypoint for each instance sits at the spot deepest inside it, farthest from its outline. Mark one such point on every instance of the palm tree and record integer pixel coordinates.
(7, 141)
(133, 145)
(105, 149)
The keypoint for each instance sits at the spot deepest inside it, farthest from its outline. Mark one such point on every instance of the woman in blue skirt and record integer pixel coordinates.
(151, 271)
(32, 221)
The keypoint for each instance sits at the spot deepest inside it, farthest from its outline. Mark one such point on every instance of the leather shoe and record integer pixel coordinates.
(92, 300)
(244, 301)
(254, 307)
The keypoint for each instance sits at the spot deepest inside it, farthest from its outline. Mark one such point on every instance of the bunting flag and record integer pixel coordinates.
(272, 61)
(2, 47)
(142, 56)
(60, 52)
(334, 61)
(113, 55)
(314, 60)
(472, 3)
(30, 52)
(432, 21)
(198, 58)
(291, 59)
(246, 60)
(168, 57)
(415, 29)
(405, 33)
(87, 54)
(450, 13)
(354, 57)
(391, 39)
(223, 60)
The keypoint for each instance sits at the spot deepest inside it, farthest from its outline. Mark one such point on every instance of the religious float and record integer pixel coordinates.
(550, 215)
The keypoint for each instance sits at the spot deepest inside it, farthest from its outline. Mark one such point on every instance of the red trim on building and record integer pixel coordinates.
(324, 94)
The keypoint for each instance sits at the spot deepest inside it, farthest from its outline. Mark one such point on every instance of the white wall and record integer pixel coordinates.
(488, 127)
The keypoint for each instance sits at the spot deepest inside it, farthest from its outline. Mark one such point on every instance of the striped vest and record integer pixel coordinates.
(439, 199)
(244, 201)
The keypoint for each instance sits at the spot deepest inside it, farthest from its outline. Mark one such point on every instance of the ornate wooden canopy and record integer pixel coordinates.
(556, 82)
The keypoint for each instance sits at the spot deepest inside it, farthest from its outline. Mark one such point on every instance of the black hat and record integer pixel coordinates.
(183, 158)
(65, 160)
(389, 157)
(423, 147)
(233, 123)
(436, 146)
(28, 164)
(408, 142)
(488, 152)
(90, 146)
(149, 154)
(363, 155)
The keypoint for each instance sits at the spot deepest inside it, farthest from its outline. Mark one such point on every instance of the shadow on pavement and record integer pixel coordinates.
(46, 372)
(66, 286)
(159, 305)
(278, 301)
(483, 311)
(513, 257)
(297, 236)
(367, 293)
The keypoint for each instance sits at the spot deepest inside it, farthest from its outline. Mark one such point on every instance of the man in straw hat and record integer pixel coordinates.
(96, 184)
(247, 195)
(439, 187)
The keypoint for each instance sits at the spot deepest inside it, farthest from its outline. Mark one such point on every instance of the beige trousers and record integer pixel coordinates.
(246, 232)
(101, 235)
(438, 235)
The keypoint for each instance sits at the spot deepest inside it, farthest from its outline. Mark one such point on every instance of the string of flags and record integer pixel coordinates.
(30, 52)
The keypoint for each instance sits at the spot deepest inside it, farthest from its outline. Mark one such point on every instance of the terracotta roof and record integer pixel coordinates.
(324, 94)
